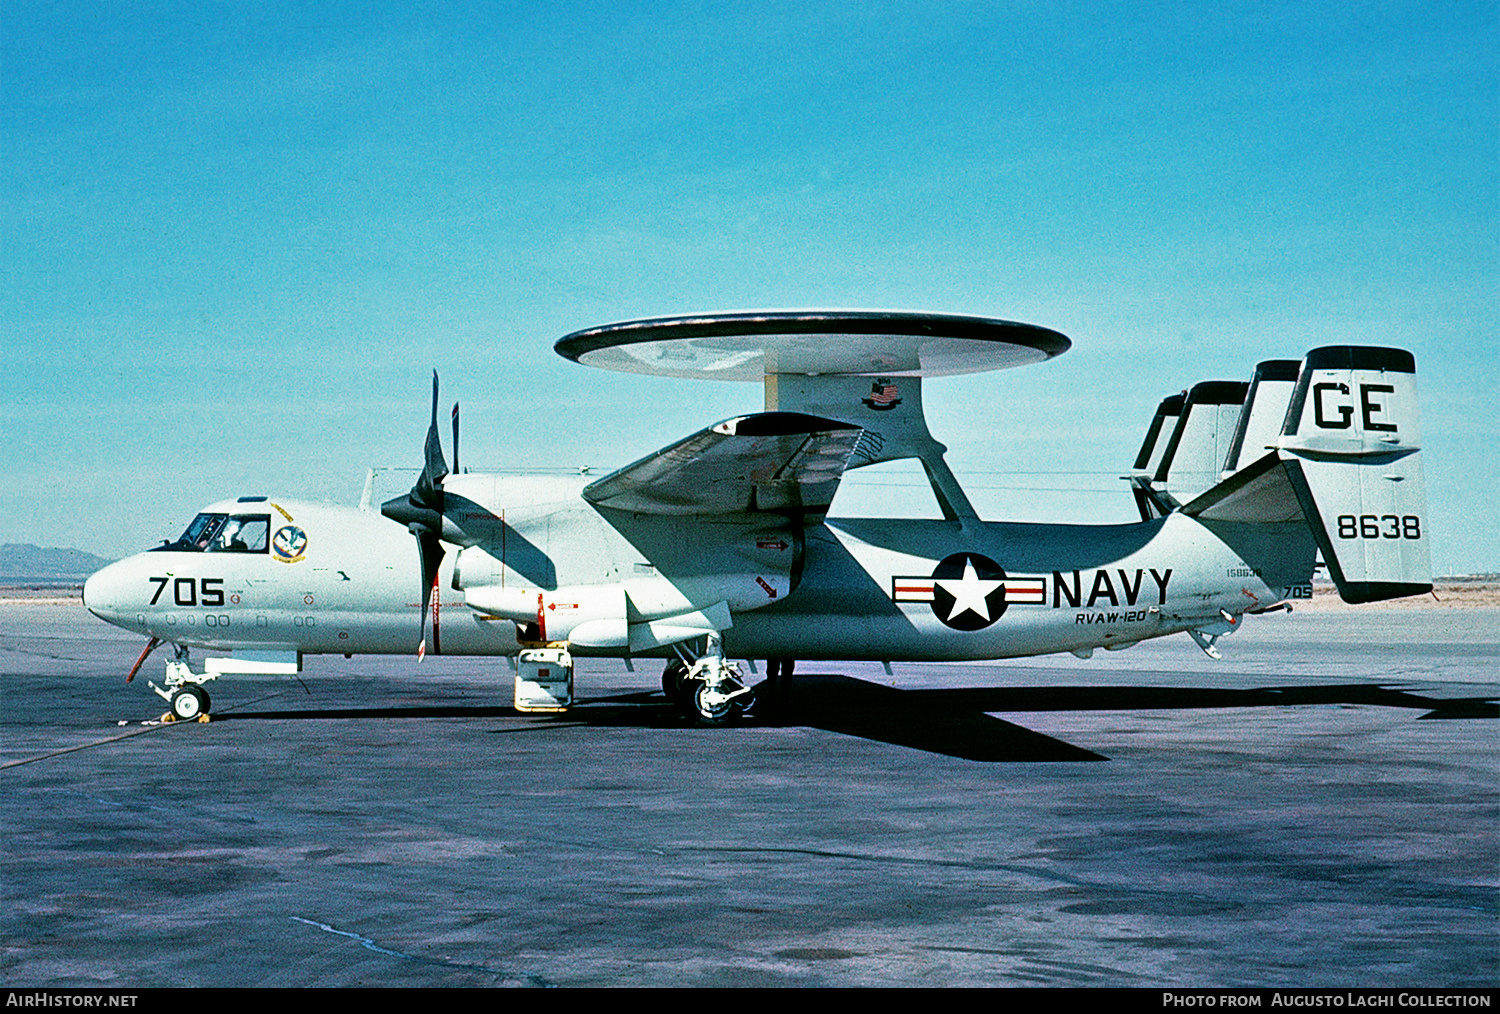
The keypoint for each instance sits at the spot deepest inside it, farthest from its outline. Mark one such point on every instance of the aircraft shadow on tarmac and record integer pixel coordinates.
(953, 722)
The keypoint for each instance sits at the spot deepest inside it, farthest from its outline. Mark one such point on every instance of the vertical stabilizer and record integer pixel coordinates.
(1148, 500)
(1159, 432)
(1263, 413)
(1351, 445)
(1195, 453)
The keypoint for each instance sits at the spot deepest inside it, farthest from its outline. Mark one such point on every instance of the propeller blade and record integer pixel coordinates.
(430, 549)
(421, 511)
(427, 492)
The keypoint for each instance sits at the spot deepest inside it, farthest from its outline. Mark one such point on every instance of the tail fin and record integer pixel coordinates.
(1176, 464)
(1148, 499)
(1352, 448)
(1200, 442)
(1348, 462)
(1264, 412)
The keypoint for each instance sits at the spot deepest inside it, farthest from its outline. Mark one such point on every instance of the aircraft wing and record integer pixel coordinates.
(778, 462)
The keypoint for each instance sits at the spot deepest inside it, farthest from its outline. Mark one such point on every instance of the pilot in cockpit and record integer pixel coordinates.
(229, 537)
(244, 534)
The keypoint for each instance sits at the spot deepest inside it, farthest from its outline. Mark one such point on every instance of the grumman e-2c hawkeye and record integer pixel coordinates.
(719, 546)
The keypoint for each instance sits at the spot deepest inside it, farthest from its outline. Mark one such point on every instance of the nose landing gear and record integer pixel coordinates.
(183, 691)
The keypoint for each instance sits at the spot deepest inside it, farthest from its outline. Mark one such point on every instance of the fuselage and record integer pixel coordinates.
(317, 579)
(340, 580)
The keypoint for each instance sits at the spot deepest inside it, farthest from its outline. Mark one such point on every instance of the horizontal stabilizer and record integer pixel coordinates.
(783, 462)
(1260, 493)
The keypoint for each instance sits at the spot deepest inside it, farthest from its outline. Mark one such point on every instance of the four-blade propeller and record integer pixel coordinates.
(421, 510)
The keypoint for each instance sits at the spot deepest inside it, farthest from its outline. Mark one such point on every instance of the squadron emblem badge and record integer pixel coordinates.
(289, 544)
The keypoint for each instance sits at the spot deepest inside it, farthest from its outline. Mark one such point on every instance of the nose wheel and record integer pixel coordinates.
(717, 705)
(190, 704)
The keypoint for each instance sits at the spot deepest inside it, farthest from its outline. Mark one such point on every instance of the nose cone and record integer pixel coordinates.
(101, 592)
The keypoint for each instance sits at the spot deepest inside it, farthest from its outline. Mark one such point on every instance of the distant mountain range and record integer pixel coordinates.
(22, 564)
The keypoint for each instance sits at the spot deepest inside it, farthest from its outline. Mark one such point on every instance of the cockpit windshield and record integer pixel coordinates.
(224, 533)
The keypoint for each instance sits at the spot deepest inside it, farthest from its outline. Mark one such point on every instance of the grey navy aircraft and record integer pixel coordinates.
(719, 546)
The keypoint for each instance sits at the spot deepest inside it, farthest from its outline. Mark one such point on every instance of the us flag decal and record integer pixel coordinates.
(884, 396)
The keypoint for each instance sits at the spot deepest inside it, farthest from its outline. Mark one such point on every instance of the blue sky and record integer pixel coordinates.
(235, 239)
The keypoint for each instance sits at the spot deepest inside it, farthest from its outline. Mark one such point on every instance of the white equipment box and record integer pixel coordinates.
(544, 680)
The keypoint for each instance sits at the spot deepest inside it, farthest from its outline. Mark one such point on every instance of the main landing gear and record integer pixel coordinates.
(711, 687)
(183, 691)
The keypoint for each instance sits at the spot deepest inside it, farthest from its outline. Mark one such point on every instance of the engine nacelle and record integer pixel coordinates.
(555, 613)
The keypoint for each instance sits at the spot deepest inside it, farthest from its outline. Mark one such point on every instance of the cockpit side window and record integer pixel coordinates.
(241, 533)
(224, 533)
(198, 535)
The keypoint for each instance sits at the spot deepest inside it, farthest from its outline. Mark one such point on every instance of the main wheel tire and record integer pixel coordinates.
(675, 684)
(189, 702)
(713, 710)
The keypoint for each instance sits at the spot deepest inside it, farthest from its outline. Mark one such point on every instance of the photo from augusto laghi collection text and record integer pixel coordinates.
(1327, 998)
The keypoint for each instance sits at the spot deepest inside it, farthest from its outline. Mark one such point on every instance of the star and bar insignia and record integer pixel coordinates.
(968, 591)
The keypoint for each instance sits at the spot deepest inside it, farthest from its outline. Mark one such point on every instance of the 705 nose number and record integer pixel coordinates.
(189, 591)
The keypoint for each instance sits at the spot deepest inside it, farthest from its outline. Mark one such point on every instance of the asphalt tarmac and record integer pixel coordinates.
(1318, 809)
